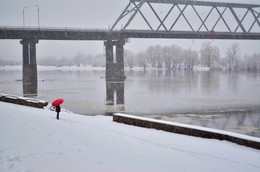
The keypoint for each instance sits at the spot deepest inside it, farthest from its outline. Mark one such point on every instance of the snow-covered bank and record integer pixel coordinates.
(53, 68)
(89, 68)
(33, 140)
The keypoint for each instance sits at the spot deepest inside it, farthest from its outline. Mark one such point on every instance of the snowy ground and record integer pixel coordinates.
(33, 140)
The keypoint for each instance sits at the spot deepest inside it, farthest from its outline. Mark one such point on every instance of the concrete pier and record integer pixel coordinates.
(115, 60)
(29, 66)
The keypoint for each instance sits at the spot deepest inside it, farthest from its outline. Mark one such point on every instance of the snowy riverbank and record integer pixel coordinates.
(87, 68)
(33, 140)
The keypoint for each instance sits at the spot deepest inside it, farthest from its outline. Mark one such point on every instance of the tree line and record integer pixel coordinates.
(78, 60)
(176, 58)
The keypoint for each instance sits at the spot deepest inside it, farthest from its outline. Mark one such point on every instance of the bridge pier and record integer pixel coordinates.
(29, 67)
(115, 62)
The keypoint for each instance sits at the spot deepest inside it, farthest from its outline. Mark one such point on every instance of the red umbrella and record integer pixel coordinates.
(57, 102)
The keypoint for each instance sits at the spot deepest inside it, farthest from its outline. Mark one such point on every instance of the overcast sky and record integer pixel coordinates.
(86, 14)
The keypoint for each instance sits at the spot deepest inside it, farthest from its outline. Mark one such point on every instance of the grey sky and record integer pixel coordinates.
(85, 14)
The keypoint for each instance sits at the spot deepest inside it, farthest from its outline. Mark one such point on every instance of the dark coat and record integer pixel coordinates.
(57, 108)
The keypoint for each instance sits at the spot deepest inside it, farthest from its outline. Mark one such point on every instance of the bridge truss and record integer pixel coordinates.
(192, 16)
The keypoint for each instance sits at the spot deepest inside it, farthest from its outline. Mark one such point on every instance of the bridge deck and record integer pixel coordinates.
(98, 34)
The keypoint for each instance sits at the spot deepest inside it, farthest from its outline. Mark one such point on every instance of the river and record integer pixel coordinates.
(222, 100)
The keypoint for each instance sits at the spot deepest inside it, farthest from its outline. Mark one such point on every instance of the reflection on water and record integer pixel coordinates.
(183, 92)
(149, 93)
(115, 97)
(210, 82)
(30, 89)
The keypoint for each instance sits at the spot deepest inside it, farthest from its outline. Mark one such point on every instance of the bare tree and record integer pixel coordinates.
(151, 58)
(190, 58)
(167, 57)
(176, 56)
(209, 54)
(141, 58)
(154, 54)
(158, 56)
(232, 56)
(129, 58)
(251, 63)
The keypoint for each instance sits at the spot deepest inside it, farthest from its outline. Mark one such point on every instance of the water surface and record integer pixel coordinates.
(222, 100)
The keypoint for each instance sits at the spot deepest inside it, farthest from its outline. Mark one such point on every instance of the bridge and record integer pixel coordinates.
(219, 21)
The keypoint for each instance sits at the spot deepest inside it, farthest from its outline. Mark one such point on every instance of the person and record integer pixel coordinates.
(58, 111)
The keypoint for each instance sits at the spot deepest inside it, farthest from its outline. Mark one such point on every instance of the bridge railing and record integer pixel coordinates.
(46, 28)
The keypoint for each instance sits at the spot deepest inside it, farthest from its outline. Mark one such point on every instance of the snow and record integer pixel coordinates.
(201, 68)
(32, 139)
(53, 68)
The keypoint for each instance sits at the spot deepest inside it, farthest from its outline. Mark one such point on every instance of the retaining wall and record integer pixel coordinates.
(23, 101)
(188, 130)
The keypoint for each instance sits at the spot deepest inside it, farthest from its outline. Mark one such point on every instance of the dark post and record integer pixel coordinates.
(29, 67)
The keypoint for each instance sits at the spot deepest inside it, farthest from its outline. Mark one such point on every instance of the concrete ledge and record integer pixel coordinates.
(23, 101)
(190, 130)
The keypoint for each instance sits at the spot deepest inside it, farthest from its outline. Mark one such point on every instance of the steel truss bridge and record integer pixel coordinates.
(184, 19)
(191, 19)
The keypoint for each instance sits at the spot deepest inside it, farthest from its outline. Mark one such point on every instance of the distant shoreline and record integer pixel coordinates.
(89, 68)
